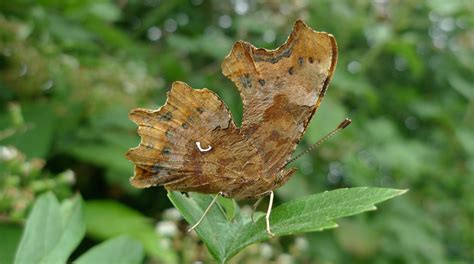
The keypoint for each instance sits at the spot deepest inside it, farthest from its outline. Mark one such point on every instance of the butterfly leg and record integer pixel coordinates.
(267, 216)
(206, 211)
(254, 207)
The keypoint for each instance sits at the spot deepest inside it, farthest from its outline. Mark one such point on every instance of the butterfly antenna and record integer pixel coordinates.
(340, 127)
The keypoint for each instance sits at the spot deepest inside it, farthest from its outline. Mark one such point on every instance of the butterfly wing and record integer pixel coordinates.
(191, 144)
(281, 89)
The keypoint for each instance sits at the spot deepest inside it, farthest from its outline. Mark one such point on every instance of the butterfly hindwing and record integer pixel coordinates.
(189, 143)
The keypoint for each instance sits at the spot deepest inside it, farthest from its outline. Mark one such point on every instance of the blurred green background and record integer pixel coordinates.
(71, 70)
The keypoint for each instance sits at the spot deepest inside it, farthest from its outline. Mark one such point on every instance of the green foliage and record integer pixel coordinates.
(312, 213)
(54, 230)
(117, 250)
(107, 219)
(11, 235)
(71, 70)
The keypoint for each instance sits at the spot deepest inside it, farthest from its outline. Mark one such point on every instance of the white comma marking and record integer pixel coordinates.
(198, 144)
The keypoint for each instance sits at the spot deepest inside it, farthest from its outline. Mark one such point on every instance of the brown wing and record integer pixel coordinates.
(281, 89)
(169, 154)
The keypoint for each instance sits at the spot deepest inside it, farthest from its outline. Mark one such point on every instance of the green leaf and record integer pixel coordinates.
(52, 231)
(316, 212)
(11, 234)
(229, 206)
(117, 250)
(108, 219)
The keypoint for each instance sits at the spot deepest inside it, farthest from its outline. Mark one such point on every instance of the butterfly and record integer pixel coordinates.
(192, 144)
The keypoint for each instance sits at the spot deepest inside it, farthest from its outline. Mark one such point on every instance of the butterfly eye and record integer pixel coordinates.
(198, 144)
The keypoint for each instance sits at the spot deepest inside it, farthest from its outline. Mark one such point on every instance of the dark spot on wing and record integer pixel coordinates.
(300, 61)
(200, 110)
(166, 116)
(246, 81)
(185, 125)
(310, 59)
(166, 151)
(156, 168)
(290, 70)
(262, 82)
(168, 134)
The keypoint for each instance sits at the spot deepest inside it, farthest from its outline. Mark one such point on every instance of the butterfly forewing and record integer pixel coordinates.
(281, 89)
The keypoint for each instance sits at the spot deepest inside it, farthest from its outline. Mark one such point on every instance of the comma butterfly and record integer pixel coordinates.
(191, 144)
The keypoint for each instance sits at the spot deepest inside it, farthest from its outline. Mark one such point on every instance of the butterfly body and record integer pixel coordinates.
(191, 144)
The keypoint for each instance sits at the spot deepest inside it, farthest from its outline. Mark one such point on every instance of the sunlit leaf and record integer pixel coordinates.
(116, 250)
(317, 212)
(52, 231)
